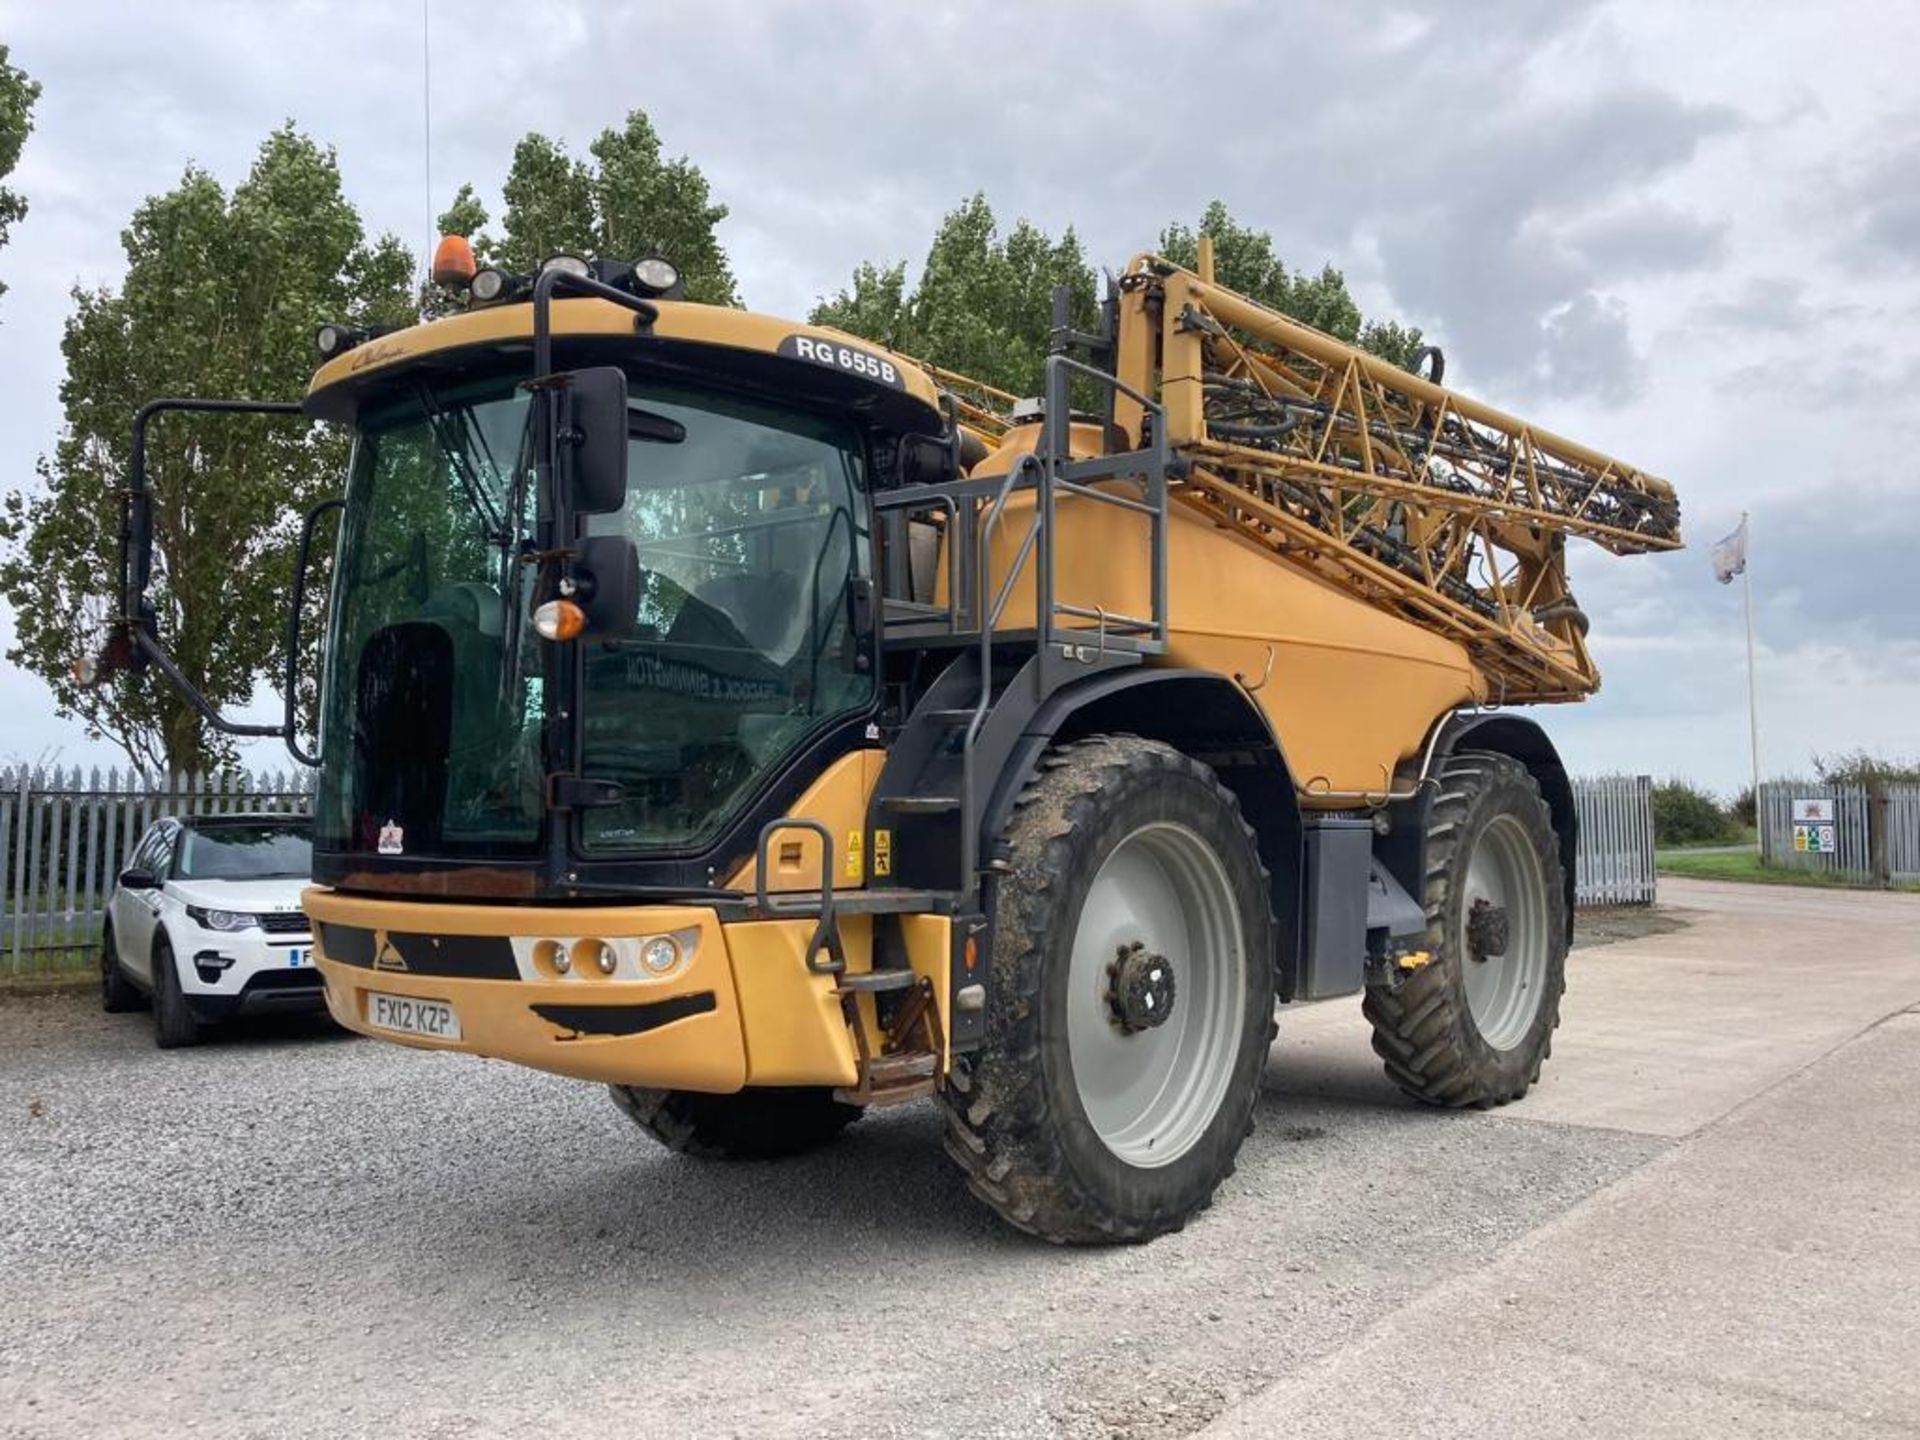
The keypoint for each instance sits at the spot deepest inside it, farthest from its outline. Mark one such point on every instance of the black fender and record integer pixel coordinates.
(1403, 849)
(1201, 714)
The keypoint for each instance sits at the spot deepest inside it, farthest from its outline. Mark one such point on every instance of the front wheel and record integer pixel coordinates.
(174, 1024)
(1473, 1026)
(1131, 999)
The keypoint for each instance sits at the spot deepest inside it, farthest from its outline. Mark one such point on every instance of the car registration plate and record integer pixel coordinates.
(404, 1015)
(299, 955)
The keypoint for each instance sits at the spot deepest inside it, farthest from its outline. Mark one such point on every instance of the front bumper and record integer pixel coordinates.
(696, 1027)
(225, 973)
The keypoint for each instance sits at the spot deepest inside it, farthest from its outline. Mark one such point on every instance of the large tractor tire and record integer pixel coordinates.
(1131, 999)
(766, 1124)
(1472, 1026)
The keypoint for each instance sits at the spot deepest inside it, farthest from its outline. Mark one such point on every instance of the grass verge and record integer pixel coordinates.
(1744, 865)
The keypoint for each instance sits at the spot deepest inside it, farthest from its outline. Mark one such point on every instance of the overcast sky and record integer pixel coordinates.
(1687, 234)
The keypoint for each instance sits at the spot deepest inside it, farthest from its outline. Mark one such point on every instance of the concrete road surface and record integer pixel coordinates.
(1706, 1221)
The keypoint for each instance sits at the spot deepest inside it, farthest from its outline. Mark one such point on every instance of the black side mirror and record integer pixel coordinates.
(593, 438)
(606, 581)
(138, 879)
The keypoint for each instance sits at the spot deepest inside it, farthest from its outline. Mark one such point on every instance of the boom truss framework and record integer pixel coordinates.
(1421, 501)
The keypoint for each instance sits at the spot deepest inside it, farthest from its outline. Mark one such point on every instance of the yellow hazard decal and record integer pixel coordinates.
(882, 854)
(853, 855)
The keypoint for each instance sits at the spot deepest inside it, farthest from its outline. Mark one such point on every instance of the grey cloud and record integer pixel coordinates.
(1832, 566)
(1585, 350)
(1768, 304)
(1647, 238)
(1502, 218)
(1851, 374)
(1882, 202)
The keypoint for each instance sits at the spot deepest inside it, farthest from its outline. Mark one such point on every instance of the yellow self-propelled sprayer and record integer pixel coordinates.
(768, 726)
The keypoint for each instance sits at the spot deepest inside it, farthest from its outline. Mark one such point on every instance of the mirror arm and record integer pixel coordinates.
(136, 551)
(291, 727)
(645, 311)
(151, 647)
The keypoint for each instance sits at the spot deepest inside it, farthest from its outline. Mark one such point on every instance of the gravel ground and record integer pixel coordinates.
(295, 1233)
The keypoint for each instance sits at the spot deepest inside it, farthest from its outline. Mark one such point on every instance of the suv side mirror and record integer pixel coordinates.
(139, 879)
(592, 433)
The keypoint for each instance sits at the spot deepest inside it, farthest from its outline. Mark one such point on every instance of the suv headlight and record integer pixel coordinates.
(222, 919)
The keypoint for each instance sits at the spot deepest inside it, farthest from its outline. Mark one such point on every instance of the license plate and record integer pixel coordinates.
(405, 1015)
(300, 955)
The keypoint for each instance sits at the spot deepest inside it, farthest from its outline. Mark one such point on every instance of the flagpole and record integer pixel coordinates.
(1753, 702)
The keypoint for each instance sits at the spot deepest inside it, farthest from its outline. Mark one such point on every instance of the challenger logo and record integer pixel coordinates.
(385, 957)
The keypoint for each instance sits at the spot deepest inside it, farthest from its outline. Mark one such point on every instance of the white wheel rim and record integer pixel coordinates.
(1504, 990)
(1151, 1093)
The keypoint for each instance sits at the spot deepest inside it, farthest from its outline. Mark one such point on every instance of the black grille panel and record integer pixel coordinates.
(292, 922)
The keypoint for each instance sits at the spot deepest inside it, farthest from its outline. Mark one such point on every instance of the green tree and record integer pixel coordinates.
(221, 298)
(645, 205)
(1245, 260)
(467, 216)
(17, 94)
(983, 305)
(1683, 815)
(549, 205)
(630, 202)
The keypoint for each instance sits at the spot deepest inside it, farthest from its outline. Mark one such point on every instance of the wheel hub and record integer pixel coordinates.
(1140, 989)
(1489, 931)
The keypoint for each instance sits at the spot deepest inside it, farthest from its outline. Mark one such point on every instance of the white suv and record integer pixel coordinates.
(206, 924)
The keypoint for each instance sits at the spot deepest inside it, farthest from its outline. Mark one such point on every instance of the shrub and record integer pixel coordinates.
(1683, 815)
(1857, 767)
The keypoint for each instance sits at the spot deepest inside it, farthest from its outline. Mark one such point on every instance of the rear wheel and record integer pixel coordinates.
(118, 994)
(1131, 999)
(174, 1025)
(1473, 1026)
(765, 1124)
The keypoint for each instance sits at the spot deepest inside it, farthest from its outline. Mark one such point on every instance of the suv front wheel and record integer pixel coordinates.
(174, 1024)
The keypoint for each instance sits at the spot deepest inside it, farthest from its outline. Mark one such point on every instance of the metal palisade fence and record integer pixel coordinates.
(1867, 834)
(65, 835)
(1615, 861)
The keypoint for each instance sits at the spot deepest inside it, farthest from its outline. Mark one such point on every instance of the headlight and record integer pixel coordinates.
(572, 264)
(228, 920)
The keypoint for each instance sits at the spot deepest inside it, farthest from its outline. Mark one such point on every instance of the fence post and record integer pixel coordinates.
(15, 825)
(1879, 861)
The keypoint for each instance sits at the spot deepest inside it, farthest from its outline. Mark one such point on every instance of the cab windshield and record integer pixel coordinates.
(435, 710)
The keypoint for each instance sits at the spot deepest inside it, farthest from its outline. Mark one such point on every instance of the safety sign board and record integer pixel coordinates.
(1813, 832)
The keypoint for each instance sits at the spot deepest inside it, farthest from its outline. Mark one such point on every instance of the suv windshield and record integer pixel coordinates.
(749, 536)
(242, 852)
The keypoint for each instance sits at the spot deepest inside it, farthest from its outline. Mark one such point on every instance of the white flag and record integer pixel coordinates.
(1729, 556)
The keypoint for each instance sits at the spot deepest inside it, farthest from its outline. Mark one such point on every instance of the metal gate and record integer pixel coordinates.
(1849, 857)
(1615, 859)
